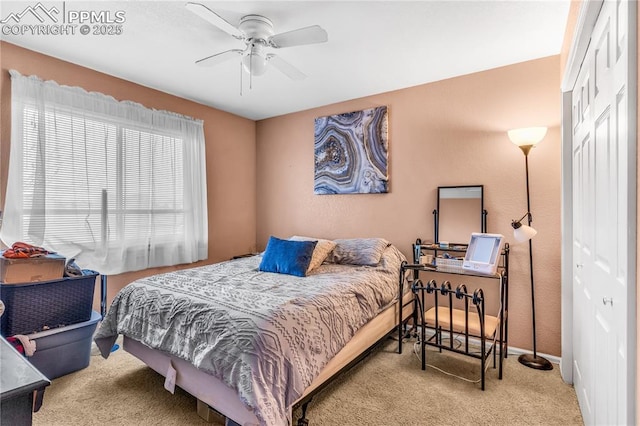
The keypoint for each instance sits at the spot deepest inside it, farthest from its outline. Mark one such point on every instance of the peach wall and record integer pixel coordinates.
(572, 19)
(230, 150)
(451, 132)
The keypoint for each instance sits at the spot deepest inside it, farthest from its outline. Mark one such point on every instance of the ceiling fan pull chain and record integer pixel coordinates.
(240, 78)
(251, 69)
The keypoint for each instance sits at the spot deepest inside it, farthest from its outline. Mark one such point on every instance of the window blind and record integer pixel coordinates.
(110, 183)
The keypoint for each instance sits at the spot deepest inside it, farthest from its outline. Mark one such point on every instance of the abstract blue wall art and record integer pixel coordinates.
(351, 153)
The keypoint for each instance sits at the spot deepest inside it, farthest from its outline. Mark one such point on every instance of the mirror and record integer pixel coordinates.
(460, 212)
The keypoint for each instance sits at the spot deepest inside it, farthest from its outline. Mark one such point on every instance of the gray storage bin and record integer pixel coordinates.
(63, 350)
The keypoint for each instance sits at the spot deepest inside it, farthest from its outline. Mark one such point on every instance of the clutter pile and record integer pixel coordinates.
(46, 308)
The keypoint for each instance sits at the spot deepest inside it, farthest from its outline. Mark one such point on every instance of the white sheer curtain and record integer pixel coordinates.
(117, 186)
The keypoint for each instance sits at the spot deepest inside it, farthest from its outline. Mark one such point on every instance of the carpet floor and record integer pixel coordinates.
(385, 389)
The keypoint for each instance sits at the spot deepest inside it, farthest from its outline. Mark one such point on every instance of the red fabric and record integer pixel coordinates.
(22, 250)
(16, 344)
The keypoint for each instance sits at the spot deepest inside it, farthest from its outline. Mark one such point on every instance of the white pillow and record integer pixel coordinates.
(320, 253)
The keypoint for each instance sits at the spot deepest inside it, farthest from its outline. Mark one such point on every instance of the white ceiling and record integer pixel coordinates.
(373, 47)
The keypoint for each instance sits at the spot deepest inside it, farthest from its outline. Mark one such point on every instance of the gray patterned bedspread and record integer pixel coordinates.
(265, 335)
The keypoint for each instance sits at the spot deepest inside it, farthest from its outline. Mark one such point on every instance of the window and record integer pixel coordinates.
(113, 184)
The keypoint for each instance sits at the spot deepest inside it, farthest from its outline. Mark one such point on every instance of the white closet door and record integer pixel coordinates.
(600, 222)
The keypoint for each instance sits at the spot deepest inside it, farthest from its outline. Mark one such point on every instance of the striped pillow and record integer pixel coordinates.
(320, 253)
(358, 251)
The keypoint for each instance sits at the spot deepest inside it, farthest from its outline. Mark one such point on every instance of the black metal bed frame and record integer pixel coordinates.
(304, 402)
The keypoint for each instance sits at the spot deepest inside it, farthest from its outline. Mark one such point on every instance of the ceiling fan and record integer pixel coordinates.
(257, 33)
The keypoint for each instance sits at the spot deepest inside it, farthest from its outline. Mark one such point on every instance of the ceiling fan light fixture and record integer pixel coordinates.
(255, 61)
(254, 64)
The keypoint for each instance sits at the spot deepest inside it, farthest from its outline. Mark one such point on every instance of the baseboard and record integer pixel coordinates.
(551, 358)
(511, 351)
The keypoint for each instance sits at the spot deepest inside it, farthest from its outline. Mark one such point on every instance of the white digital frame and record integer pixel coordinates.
(483, 253)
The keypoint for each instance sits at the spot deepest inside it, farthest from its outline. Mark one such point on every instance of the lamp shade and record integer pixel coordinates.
(523, 233)
(527, 136)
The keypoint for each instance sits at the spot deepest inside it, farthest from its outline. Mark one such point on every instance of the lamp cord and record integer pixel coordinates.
(416, 344)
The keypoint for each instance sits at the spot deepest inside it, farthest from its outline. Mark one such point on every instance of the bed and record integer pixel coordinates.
(254, 344)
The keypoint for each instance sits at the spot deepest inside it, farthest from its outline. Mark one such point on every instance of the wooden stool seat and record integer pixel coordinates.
(490, 322)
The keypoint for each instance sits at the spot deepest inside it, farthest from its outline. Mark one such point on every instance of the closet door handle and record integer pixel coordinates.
(608, 300)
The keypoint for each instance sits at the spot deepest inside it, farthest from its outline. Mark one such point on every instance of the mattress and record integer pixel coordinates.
(266, 336)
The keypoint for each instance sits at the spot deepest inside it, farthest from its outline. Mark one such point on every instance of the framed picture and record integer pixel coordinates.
(351, 153)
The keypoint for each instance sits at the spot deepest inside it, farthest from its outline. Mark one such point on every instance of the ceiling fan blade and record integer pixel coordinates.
(218, 58)
(286, 68)
(307, 35)
(209, 15)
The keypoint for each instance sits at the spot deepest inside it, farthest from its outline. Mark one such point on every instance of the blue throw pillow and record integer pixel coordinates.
(287, 257)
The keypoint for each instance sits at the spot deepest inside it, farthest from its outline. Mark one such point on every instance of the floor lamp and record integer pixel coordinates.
(526, 139)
